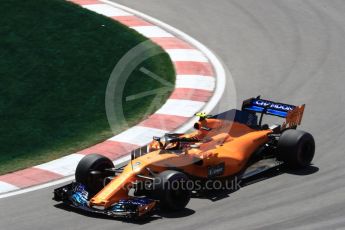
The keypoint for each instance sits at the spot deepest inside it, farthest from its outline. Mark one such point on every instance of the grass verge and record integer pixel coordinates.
(55, 61)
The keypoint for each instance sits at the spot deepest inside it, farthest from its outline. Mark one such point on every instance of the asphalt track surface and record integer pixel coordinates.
(289, 50)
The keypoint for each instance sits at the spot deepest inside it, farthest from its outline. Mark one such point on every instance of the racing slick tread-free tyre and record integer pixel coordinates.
(171, 189)
(95, 163)
(296, 148)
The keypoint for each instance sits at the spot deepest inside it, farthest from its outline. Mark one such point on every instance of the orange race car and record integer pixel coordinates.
(224, 148)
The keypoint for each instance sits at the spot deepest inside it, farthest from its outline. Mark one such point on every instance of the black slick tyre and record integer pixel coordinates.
(296, 148)
(90, 171)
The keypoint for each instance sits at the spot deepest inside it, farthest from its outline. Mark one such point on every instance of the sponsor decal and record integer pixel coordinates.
(272, 105)
(216, 170)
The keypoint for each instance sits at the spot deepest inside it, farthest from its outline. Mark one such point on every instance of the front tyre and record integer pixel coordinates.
(91, 171)
(296, 148)
(170, 187)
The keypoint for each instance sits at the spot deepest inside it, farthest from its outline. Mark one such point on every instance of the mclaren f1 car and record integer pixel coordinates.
(222, 147)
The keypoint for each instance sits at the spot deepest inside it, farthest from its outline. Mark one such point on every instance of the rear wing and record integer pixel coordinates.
(292, 113)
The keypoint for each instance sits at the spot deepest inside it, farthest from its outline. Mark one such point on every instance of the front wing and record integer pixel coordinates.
(75, 195)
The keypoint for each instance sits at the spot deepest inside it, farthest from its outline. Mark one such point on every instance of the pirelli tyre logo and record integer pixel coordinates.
(294, 117)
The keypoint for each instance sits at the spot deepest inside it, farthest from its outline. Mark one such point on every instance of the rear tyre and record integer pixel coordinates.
(296, 148)
(90, 172)
(170, 187)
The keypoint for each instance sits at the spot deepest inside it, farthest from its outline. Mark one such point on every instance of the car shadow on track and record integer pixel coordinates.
(304, 172)
(216, 195)
(184, 213)
(276, 171)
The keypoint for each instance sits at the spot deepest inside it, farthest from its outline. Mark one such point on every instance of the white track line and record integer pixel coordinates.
(195, 82)
(64, 166)
(106, 10)
(6, 187)
(138, 135)
(185, 108)
(152, 31)
(186, 55)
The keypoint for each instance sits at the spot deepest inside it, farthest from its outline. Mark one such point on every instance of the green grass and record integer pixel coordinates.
(55, 61)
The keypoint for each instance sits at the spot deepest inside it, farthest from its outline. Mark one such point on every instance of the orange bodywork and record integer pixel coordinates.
(228, 142)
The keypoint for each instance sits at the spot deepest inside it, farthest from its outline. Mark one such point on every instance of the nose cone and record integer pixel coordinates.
(114, 191)
(98, 203)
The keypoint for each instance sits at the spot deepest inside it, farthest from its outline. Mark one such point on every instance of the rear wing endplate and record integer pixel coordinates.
(294, 117)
